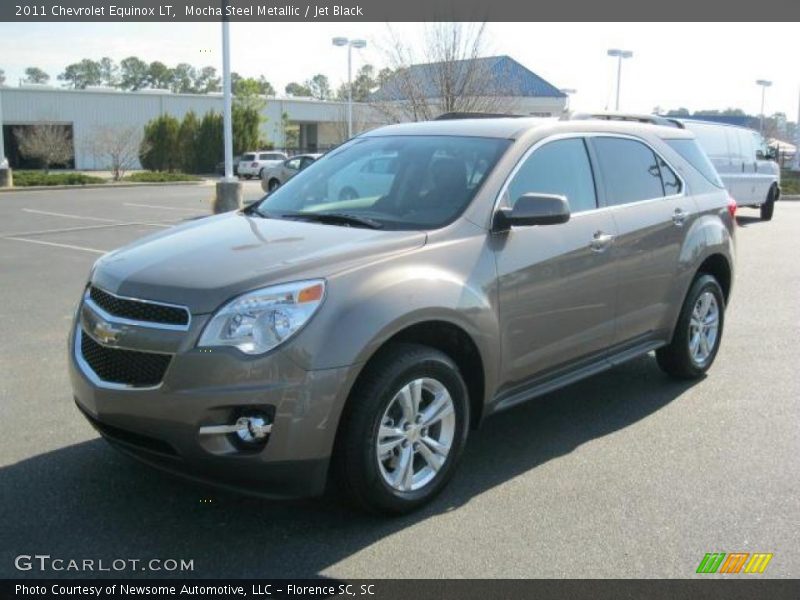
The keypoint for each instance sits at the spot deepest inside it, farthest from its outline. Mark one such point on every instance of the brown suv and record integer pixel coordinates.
(315, 336)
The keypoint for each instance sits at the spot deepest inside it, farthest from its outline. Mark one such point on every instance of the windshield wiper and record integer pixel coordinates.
(336, 218)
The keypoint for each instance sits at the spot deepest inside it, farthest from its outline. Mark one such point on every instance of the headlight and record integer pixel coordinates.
(258, 321)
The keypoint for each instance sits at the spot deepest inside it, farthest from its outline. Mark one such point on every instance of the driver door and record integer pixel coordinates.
(557, 283)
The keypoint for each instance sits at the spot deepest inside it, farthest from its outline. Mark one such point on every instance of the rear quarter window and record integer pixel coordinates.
(694, 155)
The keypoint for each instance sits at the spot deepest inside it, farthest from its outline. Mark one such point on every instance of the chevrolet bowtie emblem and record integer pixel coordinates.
(105, 332)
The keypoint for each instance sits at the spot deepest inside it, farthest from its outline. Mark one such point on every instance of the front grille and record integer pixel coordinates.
(127, 367)
(138, 310)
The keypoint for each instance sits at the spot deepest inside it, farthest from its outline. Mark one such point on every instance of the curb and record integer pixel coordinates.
(107, 186)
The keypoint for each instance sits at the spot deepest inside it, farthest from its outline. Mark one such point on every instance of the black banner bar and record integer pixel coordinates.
(392, 10)
(733, 588)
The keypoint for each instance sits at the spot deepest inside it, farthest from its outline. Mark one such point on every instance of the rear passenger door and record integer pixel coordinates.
(556, 282)
(652, 213)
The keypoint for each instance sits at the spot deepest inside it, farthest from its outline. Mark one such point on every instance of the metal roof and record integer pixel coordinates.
(506, 77)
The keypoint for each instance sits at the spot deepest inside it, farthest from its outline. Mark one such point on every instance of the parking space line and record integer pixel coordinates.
(161, 207)
(84, 228)
(66, 216)
(57, 245)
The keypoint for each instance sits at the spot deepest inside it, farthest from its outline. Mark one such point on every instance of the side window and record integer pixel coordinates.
(630, 170)
(672, 185)
(760, 144)
(561, 167)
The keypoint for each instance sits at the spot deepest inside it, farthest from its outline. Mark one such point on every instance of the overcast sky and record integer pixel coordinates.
(698, 66)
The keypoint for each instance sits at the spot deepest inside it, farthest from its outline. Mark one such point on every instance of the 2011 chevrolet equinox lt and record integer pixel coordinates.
(354, 325)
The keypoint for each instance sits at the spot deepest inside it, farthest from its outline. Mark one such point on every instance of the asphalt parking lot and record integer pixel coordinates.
(628, 474)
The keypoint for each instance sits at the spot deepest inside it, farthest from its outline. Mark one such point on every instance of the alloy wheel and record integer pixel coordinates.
(416, 434)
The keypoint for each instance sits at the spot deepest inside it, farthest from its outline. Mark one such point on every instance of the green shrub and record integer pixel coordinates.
(790, 182)
(159, 150)
(159, 177)
(36, 178)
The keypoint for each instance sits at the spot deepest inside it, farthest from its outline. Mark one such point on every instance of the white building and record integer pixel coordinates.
(310, 125)
(315, 124)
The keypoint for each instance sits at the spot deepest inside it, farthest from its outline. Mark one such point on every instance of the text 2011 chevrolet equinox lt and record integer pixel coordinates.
(355, 325)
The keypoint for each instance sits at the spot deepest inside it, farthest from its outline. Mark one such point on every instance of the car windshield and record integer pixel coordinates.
(398, 182)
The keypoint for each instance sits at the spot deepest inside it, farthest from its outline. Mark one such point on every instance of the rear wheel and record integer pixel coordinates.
(769, 206)
(698, 333)
(406, 428)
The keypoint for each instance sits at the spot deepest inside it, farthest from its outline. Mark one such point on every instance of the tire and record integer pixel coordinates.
(348, 193)
(273, 185)
(687, 356)
(376, 401)
(769, 206)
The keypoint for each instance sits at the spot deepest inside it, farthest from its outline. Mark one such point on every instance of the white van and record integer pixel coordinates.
(742, 159)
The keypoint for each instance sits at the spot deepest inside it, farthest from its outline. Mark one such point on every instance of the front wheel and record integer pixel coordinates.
(274, 184)
(768, 208)
(404, 431)
(698, 333)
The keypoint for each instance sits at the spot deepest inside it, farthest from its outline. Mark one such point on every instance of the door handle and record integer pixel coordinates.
(679, 217)
(601, 241)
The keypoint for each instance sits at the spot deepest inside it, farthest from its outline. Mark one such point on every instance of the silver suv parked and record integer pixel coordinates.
(316, 337)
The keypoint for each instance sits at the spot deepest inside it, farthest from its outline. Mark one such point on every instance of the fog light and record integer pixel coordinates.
(251, 428)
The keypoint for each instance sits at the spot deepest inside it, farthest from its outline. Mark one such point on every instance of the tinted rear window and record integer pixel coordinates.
(694, 155)
(248, 156)
(630, 170)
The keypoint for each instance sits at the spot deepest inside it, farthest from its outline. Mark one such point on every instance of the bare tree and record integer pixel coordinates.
(360, 121)
(116, 148)
(49, 144)
(446, 74)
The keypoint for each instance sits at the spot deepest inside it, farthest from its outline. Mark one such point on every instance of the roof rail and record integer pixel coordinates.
(474, 115)
(636, 118)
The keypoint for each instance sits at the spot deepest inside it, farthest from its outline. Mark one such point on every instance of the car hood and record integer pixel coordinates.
(206, 262)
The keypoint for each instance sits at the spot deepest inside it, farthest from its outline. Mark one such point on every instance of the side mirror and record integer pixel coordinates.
(772, 153)
(533, 209)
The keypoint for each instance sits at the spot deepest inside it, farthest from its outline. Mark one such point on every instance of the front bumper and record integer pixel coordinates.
(160, 425)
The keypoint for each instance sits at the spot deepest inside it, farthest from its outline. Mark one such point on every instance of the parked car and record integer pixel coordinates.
(274, 177)
(253, 163)
(314, 337)
(220, 168)
(743, 161)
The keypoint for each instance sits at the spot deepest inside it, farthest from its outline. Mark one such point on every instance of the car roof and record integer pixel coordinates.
(516, 127)
(719, 123)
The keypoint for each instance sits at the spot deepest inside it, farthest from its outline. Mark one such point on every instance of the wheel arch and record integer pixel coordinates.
(718, 266)
(449, 338)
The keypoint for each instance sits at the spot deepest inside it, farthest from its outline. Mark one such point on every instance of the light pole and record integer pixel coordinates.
(343, 41)
(619, 55)
(796, 159)
(764, 85)
(229, 190)
(5, 170)
(568, 92)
